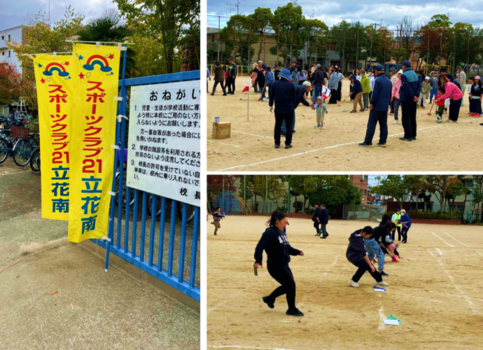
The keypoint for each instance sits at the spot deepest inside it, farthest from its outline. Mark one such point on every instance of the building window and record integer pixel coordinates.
(363, 177)
(9, 53)
(3, 37)
(8, 37)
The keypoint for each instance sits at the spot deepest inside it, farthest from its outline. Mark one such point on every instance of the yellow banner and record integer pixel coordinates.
(55, 93)
(94, 123)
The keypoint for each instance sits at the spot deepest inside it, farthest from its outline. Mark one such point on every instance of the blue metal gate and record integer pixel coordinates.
(173, 226)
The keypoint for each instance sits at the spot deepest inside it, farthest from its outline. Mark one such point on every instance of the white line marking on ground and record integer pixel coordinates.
(381, 317)
(479, 252)
(314, 150)
(454, 295)
(242, 347)
(467, 298)
(247, 133)
(436, 301)
(440, 253)
(223, 143)
(457, 240)
(430, 252)
(442, 239)
(333, 264)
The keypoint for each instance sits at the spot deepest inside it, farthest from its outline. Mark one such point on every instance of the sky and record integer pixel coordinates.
(387, 12)
(18, 11)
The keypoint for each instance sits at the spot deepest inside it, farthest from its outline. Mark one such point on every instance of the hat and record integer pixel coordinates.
(459, 67)
(230, 58)
(320, 98)
(449, 76)
(285, 73)
(400, 72)
(318, 65)
(403, 211)
(394, 70)
(260, 61)
(406, 64)
(307, 83)
(427, 78)
(379, 67)
(478, 77)
(275, 65)
(398, 210)
(264, 66)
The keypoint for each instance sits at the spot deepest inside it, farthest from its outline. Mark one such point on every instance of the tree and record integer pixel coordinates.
(239, 31)
(165, 20)
(439, 185)
(9, 87)
(336, 190)
(260, 20)
(109, 28)
(215, 184)
(396, 186)
(268, 186)
(43, 38)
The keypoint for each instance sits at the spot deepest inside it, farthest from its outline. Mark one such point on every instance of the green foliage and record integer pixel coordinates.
(336, 190)
(239, 31)
(297, 206)
(282, 209)
(396, 186)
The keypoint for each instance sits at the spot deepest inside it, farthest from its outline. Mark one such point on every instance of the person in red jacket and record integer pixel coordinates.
(440, 104)
(453, 92)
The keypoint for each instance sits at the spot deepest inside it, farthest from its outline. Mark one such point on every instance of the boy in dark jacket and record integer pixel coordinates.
(324, 220)
(356, 93)
(357, 255)
(409, 96)
(316, 219)
(219, 78)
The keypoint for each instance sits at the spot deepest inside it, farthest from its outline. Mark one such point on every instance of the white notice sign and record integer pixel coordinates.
(164, 140)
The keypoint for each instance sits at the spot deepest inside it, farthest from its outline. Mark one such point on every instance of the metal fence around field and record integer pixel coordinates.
(156, 234)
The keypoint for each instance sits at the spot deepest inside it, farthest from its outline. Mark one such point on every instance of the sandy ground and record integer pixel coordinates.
(439, 147)
(91, 309)
(435, 291)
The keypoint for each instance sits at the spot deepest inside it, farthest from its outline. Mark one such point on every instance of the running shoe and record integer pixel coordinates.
(394, 258)
(294, 312)
(478, 115)
(374, 260)
(384, 274)
(382, 283)
(353, 284)
(269, 302)
(472, 114)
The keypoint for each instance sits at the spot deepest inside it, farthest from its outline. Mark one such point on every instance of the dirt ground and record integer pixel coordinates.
(439, 147)
(435, 291)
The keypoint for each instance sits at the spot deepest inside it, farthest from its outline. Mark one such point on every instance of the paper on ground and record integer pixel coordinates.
(391, 322)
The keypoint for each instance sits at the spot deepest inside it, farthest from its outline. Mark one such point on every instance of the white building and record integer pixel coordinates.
(15, 34)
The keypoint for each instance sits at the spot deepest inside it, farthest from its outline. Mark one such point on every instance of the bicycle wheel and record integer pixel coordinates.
(124, 189)
(191, 212)
(158, 207)
(35, 161)
(3, 150)
(22, 151)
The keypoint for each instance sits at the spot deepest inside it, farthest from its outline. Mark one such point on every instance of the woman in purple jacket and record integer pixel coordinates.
(357, 255)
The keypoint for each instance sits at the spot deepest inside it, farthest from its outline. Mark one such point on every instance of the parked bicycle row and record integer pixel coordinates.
(18, 142)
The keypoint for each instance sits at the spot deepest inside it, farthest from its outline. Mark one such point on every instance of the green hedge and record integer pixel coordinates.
(433, 215)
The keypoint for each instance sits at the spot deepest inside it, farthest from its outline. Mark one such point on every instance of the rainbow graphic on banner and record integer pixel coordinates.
(98, 60)
(55, 67)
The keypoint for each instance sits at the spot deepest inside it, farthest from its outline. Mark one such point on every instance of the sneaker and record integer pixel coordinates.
(212, 94)
(354, 111)
(384, 274)
(288, 146)
(294, 312)
(478, 115)
(374, 260)
(277, 146)
(269, 302)
(472, 114)
(382, 283)
(365, 144)
(405, 139)
(224, 95)
(323, 237)
(381, 144)
(395, 122)
(439, 120)
(394, 258)
(353, 284)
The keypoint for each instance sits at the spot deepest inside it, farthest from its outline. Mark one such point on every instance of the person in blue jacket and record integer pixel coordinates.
(381, 95)
(356, 93)
(300, 94)
(324, 220)
(274, 242)
(409, 96)
(357, 255)
(269, 79)
(405, 220)
(319, 80)
(282, 92)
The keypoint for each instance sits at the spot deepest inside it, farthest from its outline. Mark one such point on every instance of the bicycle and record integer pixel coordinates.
(35, 161)
(26, 144)
(8, 139)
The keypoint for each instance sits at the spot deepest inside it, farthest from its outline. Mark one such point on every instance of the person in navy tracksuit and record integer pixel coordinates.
(324, 220)
(316, 219)
(274, 242)
(300, 93)
(283, 94)
(357, 255)
(409, 96)
(381, 95)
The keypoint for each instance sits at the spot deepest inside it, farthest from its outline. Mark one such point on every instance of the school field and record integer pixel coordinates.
(435, 291)
(439, 147)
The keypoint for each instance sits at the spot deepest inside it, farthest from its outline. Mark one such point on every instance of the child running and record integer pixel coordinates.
(357, 255)
(321, 110)
(440, 104)
(217, 216)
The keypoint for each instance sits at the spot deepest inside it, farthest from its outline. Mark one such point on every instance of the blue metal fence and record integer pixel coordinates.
(173, 226)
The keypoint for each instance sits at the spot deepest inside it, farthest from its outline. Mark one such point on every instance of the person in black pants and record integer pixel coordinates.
(231, 76)
(357, 255)
(324, 220)
(409, 97)
(316, 219)
(282, 92)
(379, 103)
(274, 242)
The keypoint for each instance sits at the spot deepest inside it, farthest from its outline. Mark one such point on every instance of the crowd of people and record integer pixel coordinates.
(400, 96)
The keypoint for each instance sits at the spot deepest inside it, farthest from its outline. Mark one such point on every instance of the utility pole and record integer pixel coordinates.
(237, 5)
(219, 38)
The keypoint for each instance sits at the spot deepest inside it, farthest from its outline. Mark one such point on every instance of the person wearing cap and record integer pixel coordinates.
(357, 255)
(406, 225)
(275, 244)
(333, 85)
(475, 97)
(395, 95)
(433, 81)
(300, 95)
(409, 96)
(282, 93)
(275, 71)
(319, 77)
(231, 70)
(379, 105)
(208, 76)
(356, 92)
(453, 92)
(366, 89)
(425, 89)
(462, 80)
(395, 218)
